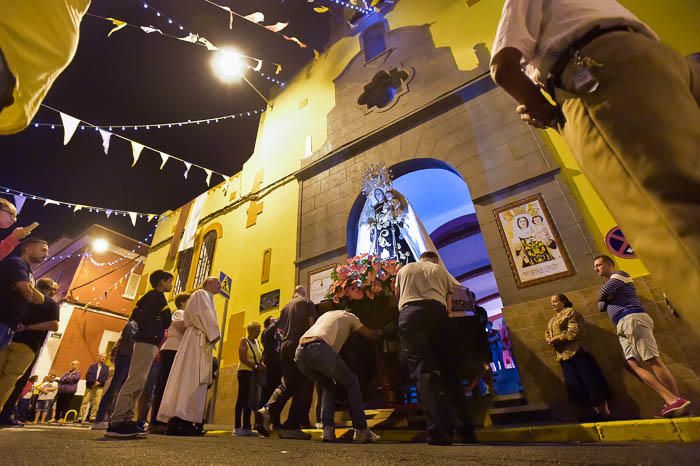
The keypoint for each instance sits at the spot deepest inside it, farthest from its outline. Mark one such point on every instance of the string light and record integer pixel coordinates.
(102, 264)
(364, 10)
(115, 285)
(149, 126)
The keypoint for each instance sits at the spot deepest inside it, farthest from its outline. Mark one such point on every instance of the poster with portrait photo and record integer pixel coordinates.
(535, 250)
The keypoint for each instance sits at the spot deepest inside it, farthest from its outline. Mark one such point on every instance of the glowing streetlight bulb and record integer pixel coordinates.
(100, 245)
(227, 65)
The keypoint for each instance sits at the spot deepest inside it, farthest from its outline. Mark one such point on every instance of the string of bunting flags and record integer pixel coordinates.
(170, 124)
(97, 263)
(257, 18)
(105, 294)
(21, 197)
(357, 5)
(70, 124)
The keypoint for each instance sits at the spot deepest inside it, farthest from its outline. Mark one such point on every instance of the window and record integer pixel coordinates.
(206, 258)
(373, 41)
(132, 286)
(183, 270)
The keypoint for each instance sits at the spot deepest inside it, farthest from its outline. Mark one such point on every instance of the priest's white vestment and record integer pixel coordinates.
(185, 393)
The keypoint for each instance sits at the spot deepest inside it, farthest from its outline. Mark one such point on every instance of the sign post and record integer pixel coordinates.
(226, 293)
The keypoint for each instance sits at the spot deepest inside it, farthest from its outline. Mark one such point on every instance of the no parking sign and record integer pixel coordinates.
(618, 245)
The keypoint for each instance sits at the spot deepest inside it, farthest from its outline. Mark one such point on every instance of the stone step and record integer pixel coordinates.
(525, 414)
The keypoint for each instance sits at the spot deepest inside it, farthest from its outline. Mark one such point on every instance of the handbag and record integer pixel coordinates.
(259, 376)
(6, 335)
(257, 381)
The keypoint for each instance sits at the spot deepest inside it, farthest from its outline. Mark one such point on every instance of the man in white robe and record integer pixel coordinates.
(185, 393)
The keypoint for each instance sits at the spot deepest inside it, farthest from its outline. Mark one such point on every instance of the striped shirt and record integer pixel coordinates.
(618, 297)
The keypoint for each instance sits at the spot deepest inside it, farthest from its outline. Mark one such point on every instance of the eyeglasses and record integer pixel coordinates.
(13, 215)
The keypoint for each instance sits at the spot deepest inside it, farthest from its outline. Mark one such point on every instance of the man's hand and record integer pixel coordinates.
(20, 233)
(543, 116)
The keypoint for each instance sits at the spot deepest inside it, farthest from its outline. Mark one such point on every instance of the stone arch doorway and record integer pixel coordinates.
(442, 203)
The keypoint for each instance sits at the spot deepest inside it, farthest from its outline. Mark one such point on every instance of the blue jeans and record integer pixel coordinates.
(321, 364)
(121, 370)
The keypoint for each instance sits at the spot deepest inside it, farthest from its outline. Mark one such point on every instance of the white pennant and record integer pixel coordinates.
(164, 157)
(256, 17)
(258, 67)
(193, 38)
(188, 165)
(150, 29)
(132, 215)
(49, 201)
(208, 172)
(136, 149)
(19, 202)
(70, 124)
(108, 212)
(77, 207)
(150, 217)
(106, 135)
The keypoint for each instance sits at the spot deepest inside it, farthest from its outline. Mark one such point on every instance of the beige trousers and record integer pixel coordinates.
(637, 139)
(91, 401)
(141, 361)
(14, 360)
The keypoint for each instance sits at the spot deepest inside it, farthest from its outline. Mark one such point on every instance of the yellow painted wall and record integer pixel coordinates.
(284, 128)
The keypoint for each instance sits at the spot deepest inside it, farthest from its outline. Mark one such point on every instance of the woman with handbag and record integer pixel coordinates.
(251, 379)
(67, 386)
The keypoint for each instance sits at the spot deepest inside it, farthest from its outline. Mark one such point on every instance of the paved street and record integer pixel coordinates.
(69, 445)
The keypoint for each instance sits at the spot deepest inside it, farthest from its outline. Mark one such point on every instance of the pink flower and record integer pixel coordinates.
(343, 272)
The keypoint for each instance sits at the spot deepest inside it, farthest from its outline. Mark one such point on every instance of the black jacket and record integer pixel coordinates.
(153, 317)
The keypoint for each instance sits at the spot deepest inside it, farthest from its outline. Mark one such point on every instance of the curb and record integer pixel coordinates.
(681, 430)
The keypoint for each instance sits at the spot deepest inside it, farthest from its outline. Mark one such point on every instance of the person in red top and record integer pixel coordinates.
(8, 216)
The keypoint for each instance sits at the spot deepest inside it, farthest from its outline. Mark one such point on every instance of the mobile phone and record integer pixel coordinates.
(31, 227)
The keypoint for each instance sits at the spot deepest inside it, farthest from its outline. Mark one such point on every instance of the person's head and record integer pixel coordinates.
(430, 256)
(537, 219)
(604, 266)
(161, 281)
(212, 285)
(269, 321)
(379, 195)
(34, 250)
(74, 365)
(102, 358)
(253, 329)
(34, 378)
(299, 292)
(8, 213)
(51, 377)
(523, 222)
(181, 300)
(560, 302)
(47, 286)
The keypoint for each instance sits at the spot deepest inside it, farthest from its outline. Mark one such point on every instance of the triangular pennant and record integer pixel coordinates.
(150, 30)
(316, 54)
(256, 17)
(77, 207)
(296, 41)
(164, 157)
(108, 212)
(277, 27)
(188, 165)
(136, 149)
(132, 215)
(193, 38)
(258, 67)
(19, 202)
(278, 68)
(49, 202)
(118, 24)
(70, 124)
(321, 9)
(106, 135)
(150, 217)
(207, 44)
(208, 172)
(374, 3)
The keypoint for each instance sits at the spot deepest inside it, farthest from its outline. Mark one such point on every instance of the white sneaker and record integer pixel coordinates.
(100, 425)
(365, 436)
(319, 425)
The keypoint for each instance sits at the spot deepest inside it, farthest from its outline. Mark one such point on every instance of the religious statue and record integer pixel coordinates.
(388, 226)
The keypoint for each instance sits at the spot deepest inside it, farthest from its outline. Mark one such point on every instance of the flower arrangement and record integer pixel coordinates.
(364, 276)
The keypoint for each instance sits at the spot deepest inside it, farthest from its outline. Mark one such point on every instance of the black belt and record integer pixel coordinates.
(560, 65)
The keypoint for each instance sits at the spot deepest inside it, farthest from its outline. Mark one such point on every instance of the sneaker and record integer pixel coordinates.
(328, 434)
(294, 434)
(100, 425)
(262, 422)
(319, 425)
(365, 436)
(244, 433)
(675, 409)
(122, 430)
(142, 427)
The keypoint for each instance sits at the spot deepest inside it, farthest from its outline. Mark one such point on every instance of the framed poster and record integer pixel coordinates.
(269, 301)
(319, 280)
(534, 248)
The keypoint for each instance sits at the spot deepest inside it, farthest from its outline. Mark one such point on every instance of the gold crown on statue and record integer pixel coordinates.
(375, 177)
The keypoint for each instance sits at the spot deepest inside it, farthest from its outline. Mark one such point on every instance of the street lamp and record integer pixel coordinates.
(228, 66)
(100, 245)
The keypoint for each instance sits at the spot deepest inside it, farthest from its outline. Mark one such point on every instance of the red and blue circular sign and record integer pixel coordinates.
(618, 245)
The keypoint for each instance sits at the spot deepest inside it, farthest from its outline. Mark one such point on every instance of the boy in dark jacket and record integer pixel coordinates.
(152, 317)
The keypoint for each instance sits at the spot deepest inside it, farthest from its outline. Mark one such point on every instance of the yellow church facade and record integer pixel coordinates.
(409, 88)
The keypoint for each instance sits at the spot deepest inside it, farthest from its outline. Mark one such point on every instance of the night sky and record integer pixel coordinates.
(133, 78)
